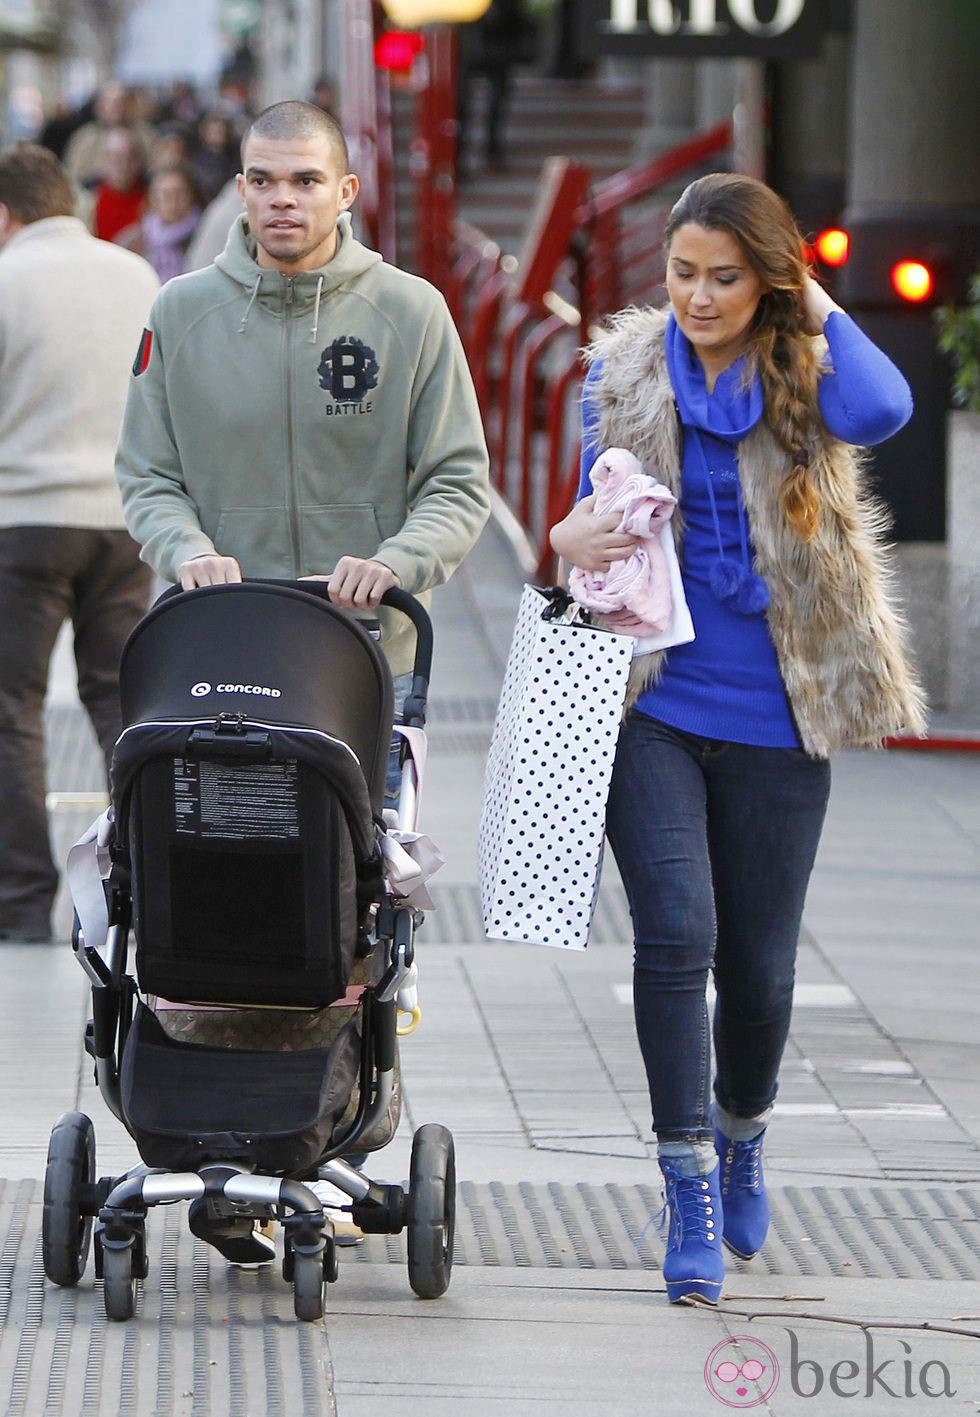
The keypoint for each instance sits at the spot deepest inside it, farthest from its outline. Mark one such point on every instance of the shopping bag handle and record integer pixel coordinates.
(559, 601)
(563, 606)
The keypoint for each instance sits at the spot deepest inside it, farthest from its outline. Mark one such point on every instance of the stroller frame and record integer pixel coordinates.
(113, 1210)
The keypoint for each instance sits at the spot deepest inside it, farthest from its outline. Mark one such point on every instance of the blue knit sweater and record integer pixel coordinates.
(726, 685)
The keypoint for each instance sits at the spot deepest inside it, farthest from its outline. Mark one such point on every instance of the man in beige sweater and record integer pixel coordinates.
(71, 313)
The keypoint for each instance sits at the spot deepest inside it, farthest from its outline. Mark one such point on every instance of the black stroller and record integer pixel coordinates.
(243, 851)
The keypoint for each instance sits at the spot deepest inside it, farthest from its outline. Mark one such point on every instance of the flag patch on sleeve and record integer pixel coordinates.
(142, 360)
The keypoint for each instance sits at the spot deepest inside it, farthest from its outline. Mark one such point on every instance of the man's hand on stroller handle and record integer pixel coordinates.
(209, 570)
(354, 583)
(357, 584)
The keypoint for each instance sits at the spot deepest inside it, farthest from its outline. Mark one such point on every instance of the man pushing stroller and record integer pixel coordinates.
(301, 408)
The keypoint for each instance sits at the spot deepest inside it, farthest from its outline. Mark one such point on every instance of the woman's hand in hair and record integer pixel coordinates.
(818, 304)
(592, 543)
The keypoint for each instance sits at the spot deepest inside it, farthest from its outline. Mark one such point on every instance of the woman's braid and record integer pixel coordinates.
(788, 368)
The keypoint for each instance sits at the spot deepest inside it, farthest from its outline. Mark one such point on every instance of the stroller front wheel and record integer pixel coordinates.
(66, 1225)
(120, 1282)
(431, 1211)
(308, 1278)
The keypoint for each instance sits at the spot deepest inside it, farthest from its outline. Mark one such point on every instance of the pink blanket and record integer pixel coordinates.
(634, 594)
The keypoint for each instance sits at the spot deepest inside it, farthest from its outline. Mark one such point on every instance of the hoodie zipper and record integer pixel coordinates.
(293, 491)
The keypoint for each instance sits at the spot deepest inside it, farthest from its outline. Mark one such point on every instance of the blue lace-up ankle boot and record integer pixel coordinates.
(694, 1267)
(743, 1194)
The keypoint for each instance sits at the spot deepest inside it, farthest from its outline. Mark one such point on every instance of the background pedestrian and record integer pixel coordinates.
(165, 231)
(120, 198)
(71, 311)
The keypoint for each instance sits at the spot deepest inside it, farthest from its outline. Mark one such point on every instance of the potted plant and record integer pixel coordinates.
(959, 338)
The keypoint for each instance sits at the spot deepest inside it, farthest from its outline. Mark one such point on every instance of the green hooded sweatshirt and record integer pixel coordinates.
(291, 420)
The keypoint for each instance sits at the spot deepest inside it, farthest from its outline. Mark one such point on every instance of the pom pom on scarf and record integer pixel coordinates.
(738, 588)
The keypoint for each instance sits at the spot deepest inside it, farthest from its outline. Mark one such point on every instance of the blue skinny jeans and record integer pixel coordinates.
(715, 843)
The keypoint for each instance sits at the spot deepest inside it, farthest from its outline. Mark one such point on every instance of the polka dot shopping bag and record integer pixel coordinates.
(542, 823)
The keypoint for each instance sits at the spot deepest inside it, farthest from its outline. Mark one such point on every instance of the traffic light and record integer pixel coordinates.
(894, 264)
(397, 50)
(898, 268)
(913, 281)
(832, 246)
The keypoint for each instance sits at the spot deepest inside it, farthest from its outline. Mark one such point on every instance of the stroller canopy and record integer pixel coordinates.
(272, 652)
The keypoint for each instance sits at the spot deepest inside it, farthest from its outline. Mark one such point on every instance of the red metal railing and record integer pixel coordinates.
(433, 158)
(590, 249)
(625, 215)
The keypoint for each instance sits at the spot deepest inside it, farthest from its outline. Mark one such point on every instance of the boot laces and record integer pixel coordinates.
(689, 1206)
(741, 1166)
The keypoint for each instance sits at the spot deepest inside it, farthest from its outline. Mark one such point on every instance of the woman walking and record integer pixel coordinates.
(749, 400)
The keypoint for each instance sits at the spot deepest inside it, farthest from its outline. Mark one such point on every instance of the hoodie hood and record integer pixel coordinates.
(268, 286)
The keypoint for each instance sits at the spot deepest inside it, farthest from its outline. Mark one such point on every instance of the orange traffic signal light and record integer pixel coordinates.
(833, 246)
(912, 280)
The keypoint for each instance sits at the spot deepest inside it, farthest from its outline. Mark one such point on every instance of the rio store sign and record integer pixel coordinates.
(703, 28)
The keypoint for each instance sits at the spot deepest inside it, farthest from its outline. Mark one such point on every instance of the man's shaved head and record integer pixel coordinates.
(294, 119)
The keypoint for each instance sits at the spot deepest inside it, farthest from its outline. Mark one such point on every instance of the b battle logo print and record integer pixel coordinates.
(348, 370)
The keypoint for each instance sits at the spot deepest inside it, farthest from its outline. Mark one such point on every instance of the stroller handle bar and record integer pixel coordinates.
(404, 601)
(395, 599)
(413, 712)
(414, 707)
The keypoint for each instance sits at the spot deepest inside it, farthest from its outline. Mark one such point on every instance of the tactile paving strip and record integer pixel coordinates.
(211, 1339)
(446, 709)
(208, 1339)
(859, 1233)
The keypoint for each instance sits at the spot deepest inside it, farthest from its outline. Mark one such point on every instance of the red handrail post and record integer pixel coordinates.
(563, 188)
(530, 508)
(434, 154)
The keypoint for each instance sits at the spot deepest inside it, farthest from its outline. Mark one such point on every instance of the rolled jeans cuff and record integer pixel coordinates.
(741, 1128)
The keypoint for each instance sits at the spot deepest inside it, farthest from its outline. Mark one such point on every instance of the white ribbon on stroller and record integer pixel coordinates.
(89, 864)
(410, 858)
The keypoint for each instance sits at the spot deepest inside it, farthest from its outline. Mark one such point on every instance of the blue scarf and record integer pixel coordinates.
(729, 413)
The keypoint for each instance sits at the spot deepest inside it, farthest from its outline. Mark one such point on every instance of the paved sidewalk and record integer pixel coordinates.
(867, 1289)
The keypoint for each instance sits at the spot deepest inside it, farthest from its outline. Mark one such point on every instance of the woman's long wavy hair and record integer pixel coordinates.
(780, 348)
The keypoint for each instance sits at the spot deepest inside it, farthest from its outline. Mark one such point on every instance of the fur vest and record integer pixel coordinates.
(839, 639)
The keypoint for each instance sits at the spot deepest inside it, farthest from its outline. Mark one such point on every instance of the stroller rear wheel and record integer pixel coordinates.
(431, 1211)
(66, 1226)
